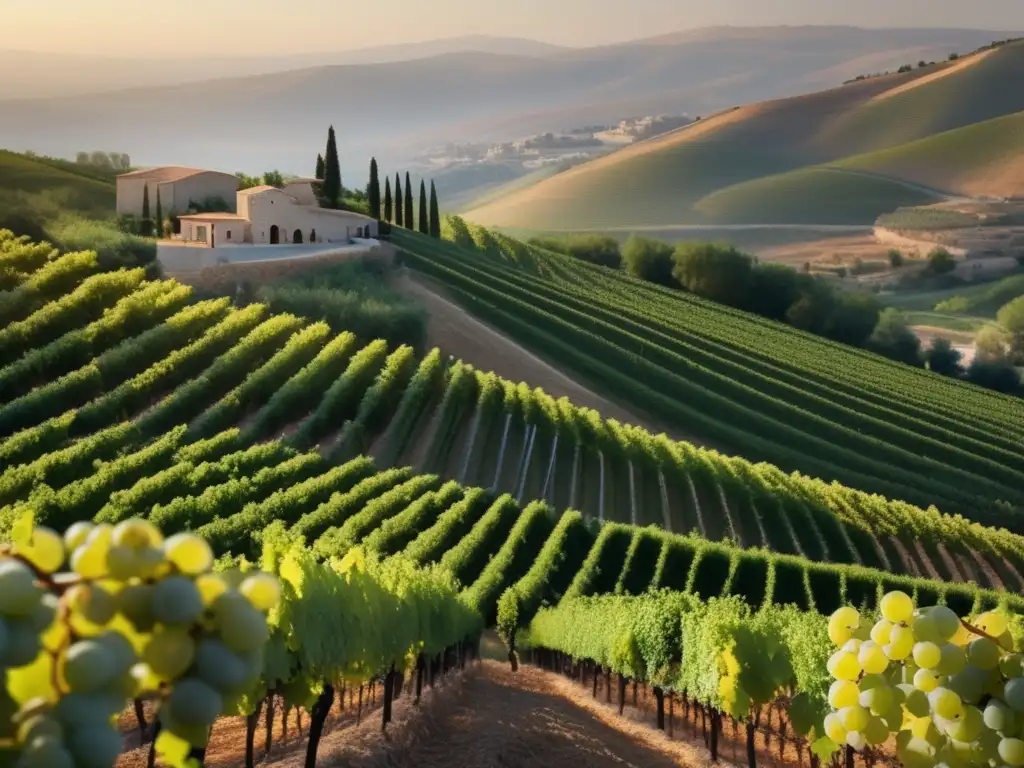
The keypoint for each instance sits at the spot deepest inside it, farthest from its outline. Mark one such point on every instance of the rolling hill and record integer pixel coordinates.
(278, 118)
(775, 162)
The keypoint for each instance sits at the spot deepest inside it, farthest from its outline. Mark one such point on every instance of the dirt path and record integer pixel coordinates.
(461, 335)
(494, 718)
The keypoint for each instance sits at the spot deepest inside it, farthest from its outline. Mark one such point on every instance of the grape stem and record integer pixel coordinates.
(981, 633)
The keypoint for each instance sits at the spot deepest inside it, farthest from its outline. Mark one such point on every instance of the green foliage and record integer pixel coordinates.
(716, 272)
(1011, 317)
(331, 188)
(597, 249)
(648, 259)
(373, 190)
(894, 339)
(986, 299)
(435, 213)
(409, 217)
(943, 358)
(940, 261)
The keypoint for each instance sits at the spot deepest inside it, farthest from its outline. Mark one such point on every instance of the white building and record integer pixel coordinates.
(270, 216)
(176, 187)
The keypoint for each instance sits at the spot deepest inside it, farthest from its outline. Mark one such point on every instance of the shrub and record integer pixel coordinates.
(114, 247)
(940, 261)
(895, 258)
(648, 259)
(717, 272)
(598, 249)
(943, 358)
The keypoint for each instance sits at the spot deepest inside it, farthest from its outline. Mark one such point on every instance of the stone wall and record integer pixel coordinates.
(224, 277)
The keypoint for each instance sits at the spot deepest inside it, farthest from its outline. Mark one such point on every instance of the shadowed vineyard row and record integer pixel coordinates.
(745, 384)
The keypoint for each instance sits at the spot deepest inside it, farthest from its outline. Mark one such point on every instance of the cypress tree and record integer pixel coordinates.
(159, 215)
(373, 191)
(387, 199)
(409, 223)
(435, 215)
(319, 166)
(424, 219)
(332, 172)
(145, 201)
(399, 220)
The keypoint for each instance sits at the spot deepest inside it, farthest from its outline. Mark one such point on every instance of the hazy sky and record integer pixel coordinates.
(261, 27)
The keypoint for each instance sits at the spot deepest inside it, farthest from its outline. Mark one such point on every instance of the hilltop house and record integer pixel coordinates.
(176, 186)
(271, 216)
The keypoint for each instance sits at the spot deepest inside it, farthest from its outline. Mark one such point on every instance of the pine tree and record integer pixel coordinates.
(332, 172)
(319, 166)
(435, 215)
(399, 220)
(373, 190)
(424, 219)
(159, 215)
(387, 199)
(409, 222)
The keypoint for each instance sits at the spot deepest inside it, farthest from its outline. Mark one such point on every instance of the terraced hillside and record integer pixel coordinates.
(944, 128)
(741, 383)
(74, 189)
(119, 395)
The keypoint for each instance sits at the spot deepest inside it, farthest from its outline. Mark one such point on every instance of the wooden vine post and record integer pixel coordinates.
(321, 709)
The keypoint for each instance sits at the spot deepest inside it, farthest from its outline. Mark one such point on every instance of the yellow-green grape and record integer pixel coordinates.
(262, 590)
(968, 726)
(854, 718)
(136, 603)
(844, 666)
(916, 700)
(925, 628)
(872, 658)
(89, 560)
(1000, 717)
(193, 702)
(983, 654)
(244, 629)
(843, 693)
(834, 728)
(45, 752)
(856, 740)
(925, 680)
(927, 655)
(76, 535)
(945, 703)
(901, 643)
(210, 586)
(189, 553)
(44, 549)
(18, 591)
(94, 746)
(876, 732)
(136, 533)
(880, 632)
(216, 665)
(878, 699)
(89, 666)
(1012, 665)
(169, 652)
(897, 607)
(946, 621)
(1011, 752)
(842, 623)
(916, 753)
(969, 684)
(992, 622)
(1013, 693)
(92, 602)
(177, 601)
(953, 659)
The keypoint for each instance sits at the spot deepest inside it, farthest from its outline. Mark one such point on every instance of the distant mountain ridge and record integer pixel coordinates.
(390, 109)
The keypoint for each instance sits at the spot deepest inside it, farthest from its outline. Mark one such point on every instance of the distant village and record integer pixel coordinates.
(568, 146)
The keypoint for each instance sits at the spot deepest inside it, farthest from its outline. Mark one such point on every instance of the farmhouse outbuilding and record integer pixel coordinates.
(178, 188)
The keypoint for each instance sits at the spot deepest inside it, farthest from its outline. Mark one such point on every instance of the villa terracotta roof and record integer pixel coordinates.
(167, 173)
(215, 216)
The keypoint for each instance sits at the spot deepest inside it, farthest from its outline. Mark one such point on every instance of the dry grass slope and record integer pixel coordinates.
(661, 181)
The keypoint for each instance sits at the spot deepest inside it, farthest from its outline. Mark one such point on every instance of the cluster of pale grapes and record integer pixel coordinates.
(106, 614)
(952, 693)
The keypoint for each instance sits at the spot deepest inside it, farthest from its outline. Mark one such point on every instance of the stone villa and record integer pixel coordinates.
(262, 216)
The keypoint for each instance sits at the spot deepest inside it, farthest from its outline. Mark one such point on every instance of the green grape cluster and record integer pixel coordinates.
(106, 614)
(950, 691)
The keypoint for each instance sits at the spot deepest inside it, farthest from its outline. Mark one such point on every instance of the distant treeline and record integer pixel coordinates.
(723, 274)
(922, 63)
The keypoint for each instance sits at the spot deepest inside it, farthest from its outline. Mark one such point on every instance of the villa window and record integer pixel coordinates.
(228, 236)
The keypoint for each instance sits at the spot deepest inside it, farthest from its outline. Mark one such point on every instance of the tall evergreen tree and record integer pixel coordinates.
(399, 219)
(424, 218)
(387, 199)
(373, 190)
(159, 215)
(332, 172)
(319, 166)
(145, 201)
(409, 218)
(435, 214)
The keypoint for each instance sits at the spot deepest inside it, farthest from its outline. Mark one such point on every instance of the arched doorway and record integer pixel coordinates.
(312, 236)
(275, 234)
(297, 237)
